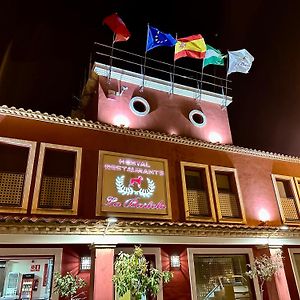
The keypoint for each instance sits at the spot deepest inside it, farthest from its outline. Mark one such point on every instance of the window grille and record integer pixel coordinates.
(11, 189)
(56, 192)
(58, 176)
(228, 195)
(287, 198)
(198, 200)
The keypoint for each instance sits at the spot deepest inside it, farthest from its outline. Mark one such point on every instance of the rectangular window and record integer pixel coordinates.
(197, 192)
(220, 274)
(57, 183)
(16, 163)
(228, 195)
(287, 198)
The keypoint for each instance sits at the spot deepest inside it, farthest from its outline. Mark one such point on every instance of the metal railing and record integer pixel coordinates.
(159, 69)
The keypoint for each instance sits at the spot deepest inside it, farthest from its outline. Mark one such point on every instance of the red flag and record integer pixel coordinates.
(115, 23)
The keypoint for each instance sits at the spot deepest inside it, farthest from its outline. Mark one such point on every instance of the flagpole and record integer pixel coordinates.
(201, 79)
(226, 83)
(111, 57)
(173, 78)
(145, 59)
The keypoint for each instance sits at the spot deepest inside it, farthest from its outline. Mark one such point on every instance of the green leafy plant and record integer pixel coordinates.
(68, 285)
(265, 267)
(132, 273)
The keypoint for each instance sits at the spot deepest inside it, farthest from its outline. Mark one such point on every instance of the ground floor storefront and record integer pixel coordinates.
(207, 263)
(200, 272)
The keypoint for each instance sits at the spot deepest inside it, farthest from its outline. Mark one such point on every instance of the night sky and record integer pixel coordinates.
(45, 48)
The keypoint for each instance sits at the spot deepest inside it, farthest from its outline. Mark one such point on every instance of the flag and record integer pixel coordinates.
(156, 38)
(239, 61)
(213, 57)
(192, 46)
(115, 23)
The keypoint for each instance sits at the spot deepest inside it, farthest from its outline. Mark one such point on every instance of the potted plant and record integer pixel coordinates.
(264, 268)
(67, 286)
(132, 273)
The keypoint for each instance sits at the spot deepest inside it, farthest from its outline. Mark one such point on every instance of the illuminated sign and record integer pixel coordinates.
(133, 185)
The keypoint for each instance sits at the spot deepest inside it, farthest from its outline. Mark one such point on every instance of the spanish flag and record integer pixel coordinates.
(192, 46)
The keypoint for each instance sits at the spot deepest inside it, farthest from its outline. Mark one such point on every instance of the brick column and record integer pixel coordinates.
(102, 271)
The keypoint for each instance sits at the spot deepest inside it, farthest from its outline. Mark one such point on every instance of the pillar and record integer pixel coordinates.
(277, 288)
(102, 271)
(280, 279)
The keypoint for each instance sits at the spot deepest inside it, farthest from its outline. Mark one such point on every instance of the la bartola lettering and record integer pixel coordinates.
(134, 203)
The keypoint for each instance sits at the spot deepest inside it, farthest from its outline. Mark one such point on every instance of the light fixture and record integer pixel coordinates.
(85, 263)
(121, 121)
(109, 222)
(264, 216)
(215, 137)
(284, 227)
(175, 261)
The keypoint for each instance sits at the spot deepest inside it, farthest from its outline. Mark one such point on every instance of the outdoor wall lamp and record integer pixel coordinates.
(175, 261)
(85, 263)
(264, 217)
(109, 222)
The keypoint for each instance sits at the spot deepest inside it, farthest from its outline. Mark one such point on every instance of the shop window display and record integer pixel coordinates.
(26, 278)
(222, 277)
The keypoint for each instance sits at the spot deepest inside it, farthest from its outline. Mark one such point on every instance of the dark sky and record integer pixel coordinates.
(45, 48)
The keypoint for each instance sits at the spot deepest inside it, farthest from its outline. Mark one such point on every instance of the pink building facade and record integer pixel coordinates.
(164, 165)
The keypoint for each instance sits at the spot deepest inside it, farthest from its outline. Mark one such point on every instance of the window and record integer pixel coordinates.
(139, 106)
(57, 180)
(228, 195)
(197, 192)
(218, 273)
(287, 199)
(16, 163)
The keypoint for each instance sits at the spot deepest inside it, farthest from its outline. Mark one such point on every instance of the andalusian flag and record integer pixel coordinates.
(192, 46)
(213, 57)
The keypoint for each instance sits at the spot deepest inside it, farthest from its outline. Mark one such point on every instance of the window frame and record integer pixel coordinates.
(189, 217)
(295, 190)
(77, 172)
(217, 251)
(28, 173)
(221, 219)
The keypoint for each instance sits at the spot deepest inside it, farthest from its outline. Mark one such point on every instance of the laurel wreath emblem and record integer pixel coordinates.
(128, 190)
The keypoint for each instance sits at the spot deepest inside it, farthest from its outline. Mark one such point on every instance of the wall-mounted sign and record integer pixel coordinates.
(35, 268)
(130, 184)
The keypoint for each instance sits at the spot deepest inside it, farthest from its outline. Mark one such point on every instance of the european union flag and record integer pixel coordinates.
(156, 38)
